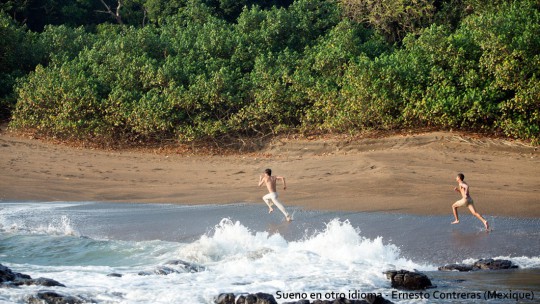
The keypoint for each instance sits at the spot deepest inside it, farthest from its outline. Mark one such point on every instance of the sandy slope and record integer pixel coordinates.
(411, 174)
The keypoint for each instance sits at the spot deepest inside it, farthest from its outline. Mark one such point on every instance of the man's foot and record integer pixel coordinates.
(455, 222)
(289, 218)
(270, 210)
(487, 225)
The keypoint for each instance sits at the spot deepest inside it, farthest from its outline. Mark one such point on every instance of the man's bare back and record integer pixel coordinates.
(271, 182)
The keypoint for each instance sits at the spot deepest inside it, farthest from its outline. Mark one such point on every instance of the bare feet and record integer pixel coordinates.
(289, 218)
(455, 222)
(487, 225)
(270, 210)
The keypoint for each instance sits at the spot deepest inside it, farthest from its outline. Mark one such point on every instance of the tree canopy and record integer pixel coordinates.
(185, 70)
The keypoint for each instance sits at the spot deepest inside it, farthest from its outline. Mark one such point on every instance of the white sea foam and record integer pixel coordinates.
(24, 221)
(339, 252)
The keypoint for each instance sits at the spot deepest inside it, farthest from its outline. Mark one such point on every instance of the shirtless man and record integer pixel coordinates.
(465, 201)
(272, 197)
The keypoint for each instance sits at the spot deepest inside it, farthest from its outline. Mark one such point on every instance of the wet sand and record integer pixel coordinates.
(403, 174)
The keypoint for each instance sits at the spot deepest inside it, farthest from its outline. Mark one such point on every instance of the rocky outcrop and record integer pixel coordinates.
(369, 300)
(264, 298)
(258, 298)
(491, 264)
(456, 267)
(51, 297)
(39, 281)
(174, 266)
(7, 275)
(11, 279)
(8, 278)
(403, 279)
(186, 266)
(482, 264)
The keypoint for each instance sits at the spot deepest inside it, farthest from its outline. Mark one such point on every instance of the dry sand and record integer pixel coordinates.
(404, 174)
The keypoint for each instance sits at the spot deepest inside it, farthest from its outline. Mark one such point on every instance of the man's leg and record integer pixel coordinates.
(478, 216)
(454, 209)
(268, 200)
(280, 207)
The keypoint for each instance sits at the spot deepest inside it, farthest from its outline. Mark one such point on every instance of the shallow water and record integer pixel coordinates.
(244, 249)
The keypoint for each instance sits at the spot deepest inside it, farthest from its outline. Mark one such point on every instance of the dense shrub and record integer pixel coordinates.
(215, 69)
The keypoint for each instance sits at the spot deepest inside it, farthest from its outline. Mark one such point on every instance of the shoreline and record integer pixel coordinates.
(411, 174)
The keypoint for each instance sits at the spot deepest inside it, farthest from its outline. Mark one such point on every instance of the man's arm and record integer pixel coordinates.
(464, 189)
(261, 180)
(284, 183)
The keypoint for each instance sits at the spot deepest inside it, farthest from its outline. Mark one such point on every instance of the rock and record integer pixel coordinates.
(186, 266)
(225, 298)
(456, 267)
(160, 270)
(246, 299)
(9, 278)
(258, 298)
(492, 264)
(376, 299)
(484, 264)
(7, 275)
(264, 298)
(180, 267)
(39, 282)
(404, 279)
(51, 297)
(114, 274)
(164, 270)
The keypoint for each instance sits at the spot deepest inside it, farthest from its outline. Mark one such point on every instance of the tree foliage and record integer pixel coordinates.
(189, 70)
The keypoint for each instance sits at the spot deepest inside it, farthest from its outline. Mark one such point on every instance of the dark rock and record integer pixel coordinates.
(264, 298)
(116, 275)
(225, 298)
(39, 282)
(241, 300)
(51, 297)
(376, 299)
(160, 270)
(9, 278)
(7, 275)
(404, 279)
(164, 270)
(492, 264)
(258, 298)
(249, 299)
(186, 266)
(456, 267)
(484, 264)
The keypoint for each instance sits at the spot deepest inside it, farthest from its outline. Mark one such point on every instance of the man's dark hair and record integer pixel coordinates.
(268, 171)
(461, 176)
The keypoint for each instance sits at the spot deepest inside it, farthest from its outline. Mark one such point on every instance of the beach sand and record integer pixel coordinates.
(401, 173)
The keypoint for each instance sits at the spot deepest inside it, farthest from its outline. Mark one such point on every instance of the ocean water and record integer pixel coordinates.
(240, 248)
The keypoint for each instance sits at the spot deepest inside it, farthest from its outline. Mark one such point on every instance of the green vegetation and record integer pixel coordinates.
(191, 70)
